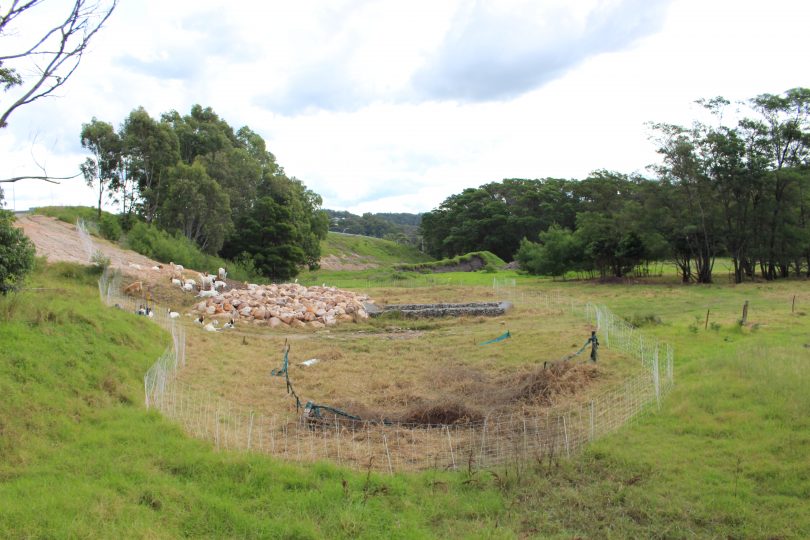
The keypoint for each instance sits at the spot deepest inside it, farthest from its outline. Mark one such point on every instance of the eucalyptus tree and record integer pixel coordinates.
(102, 168)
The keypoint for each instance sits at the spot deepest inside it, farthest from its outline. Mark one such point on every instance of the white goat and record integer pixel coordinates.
(219, 285)
(222, 274)
(206, 281)
(177, 282)
(188, 287)
(207, 293)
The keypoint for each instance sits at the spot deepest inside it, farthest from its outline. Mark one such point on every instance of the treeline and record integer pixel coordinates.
(740, 190)
(402, 228)
(195, 176)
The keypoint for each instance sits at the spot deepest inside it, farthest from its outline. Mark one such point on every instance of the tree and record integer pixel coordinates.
(196, 206)
(16, 254)
(150, 148)
(104, 143)
(50, 55)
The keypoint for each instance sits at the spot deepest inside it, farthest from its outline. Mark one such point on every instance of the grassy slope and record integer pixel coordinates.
(69, 214)
(487, 257)
(81, 457)
(725, 457)
(372, 250)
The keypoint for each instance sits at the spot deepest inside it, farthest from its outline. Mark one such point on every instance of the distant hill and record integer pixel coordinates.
(340, 251)
(402, 228)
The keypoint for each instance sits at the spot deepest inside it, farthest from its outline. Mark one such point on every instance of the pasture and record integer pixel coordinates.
(724, 456)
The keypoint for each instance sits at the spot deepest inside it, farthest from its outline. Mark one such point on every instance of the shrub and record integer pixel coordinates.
(16, 254)
(110, 228)
(160, 245)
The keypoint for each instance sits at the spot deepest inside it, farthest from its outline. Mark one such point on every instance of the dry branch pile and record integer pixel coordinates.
(286, 305)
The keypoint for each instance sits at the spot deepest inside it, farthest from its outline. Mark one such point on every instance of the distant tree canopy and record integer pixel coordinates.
(194, 175)
(402, 228)
(741, 191)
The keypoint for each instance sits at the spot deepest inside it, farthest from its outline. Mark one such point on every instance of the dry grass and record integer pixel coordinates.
(422, 371)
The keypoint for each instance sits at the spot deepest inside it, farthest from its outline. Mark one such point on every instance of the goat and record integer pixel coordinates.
(219, 285)
(206, 281)
(228, 325)
(176, 282)
(134, 287)
(222, 274)
(207, 294)
(199, 320)
(188, 287)
(172, 314)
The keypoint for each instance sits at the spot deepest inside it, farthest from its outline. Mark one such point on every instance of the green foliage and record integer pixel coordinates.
(160, 245)
(71, 214)
(486, 258)
(402, 228)
(558, 252)
(195, 176)
(100, 260)
(16, 254)
(196, 206)
(739, 190)
(109, 227)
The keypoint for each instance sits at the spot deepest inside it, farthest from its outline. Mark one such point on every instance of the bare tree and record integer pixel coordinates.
(44, 62)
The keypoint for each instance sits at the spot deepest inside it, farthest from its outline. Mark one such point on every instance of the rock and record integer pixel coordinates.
(297, 324)
(316, 324)
(275, 322)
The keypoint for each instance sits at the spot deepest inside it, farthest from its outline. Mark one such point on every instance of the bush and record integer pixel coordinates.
(160, 245)
(16, 254)
(110, 228)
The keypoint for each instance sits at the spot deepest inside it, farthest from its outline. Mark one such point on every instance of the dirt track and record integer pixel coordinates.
(60, 241)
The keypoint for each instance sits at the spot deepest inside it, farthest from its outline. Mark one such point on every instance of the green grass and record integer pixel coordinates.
(489, 259)
(725, 457)
(368, 250)
(81, 457)
(69, 214)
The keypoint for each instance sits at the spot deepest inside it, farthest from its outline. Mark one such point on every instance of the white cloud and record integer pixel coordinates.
(393, 106)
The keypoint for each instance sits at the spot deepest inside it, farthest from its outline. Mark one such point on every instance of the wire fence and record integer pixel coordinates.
(517, 438)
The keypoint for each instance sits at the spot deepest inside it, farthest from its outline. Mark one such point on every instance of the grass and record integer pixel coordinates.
(390, 366)
(367, 251)
(725, 457)
(489, 260)
(69, 214)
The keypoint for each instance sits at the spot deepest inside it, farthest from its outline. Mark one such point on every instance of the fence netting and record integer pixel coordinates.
(516, 438)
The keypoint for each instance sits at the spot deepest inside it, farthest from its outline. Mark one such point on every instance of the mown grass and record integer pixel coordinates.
(725, 457)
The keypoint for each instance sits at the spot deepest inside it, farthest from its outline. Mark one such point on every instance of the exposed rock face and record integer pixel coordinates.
(488, 309)
(287, 305)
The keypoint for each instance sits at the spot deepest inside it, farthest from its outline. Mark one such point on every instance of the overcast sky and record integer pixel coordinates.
(392, 106)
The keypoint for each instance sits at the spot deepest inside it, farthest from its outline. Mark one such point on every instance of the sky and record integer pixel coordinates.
(391, 106)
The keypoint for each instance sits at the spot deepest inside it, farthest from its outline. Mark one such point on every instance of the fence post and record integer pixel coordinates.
(656, 378)
(593, 422)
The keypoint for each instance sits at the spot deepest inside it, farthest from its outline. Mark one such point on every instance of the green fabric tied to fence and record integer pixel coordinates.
(497, 339)
(283, 370)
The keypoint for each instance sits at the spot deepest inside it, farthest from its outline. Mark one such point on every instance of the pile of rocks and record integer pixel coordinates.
(289, 304)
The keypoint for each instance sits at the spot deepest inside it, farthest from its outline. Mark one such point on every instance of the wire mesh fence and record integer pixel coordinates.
(517, 438)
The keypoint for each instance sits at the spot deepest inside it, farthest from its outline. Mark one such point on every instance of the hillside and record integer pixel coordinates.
(723, 456)
(352, 252)
(80, 456)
